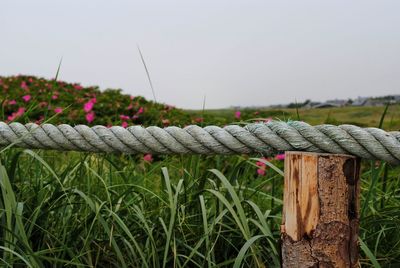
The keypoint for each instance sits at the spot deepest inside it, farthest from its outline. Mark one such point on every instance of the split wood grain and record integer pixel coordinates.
(321, 210)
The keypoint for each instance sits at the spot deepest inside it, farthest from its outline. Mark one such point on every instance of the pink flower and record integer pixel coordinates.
(260, 164)
(130, 107)
(148, 158)
(262, 167)
(23, 85)
(88, 106)
(17, 114)
(199, 119)
(21, 111)
(90, 117)
(124, 117)
(132, 97)
(54, 97)
(58, 110)
(124, 124)
(135, 117)
(40, 119)
(78, 87)
(12, 102)
(237, 114)
(261, 172)
(280, 157)
(141, 110)
(26, 98)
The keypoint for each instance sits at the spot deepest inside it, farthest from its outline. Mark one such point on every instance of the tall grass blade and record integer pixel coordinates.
(240, 257)
(147, 73)
(369, 254)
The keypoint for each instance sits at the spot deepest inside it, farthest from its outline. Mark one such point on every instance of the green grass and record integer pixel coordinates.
(68, 209)
(85, 210)
(101, 211)
(360, 116)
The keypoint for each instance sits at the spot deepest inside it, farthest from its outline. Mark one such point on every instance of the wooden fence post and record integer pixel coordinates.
(320, 219)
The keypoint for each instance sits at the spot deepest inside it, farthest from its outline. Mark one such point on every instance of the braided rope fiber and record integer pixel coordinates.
(264, 138)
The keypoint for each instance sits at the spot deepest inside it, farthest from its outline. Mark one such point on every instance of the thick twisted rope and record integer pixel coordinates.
(266, 139)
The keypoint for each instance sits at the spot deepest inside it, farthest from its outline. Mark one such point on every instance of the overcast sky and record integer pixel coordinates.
(233, 52)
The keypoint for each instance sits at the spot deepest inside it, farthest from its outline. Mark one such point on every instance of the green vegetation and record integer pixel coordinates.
(31, 99)
(68, 209)
(360, 116)
(98, 210)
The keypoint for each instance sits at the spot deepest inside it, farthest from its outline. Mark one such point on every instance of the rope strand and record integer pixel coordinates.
(264, 138)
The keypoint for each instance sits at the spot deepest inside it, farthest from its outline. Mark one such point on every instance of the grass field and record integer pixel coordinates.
(360, 116)
(85, 210)
(68, 209)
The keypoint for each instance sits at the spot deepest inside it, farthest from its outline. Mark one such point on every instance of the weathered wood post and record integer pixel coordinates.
(320, 218)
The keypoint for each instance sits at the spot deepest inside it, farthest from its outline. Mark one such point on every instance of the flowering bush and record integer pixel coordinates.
(32, 99)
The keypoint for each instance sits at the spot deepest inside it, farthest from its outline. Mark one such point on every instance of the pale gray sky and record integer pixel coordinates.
(234, 52)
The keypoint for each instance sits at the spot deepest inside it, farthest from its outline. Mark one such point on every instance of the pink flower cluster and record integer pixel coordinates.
(78, 87)
(39, 120)
(87, 107)
(17, 114)
(24, 86)
(54, 96)
(125, 118)
(199, 119)
(262, 167)
(90, 117)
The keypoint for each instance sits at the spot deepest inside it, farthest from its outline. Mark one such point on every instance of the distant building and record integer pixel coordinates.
(376, 102)
(338, 102)
(360, 101)
(394, 99)
(327, 105)
(311, 104)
